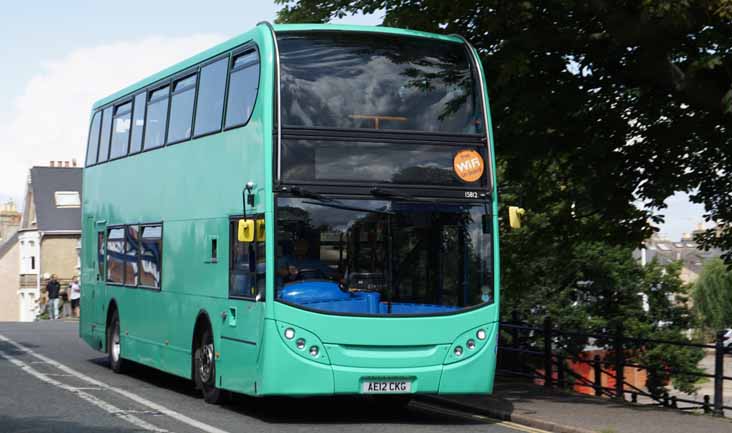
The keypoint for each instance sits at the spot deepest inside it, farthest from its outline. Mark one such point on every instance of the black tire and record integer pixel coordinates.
(114, 348)
(204, 368)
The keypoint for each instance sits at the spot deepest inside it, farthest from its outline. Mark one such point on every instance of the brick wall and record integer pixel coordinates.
(9, 284)
(59, 256)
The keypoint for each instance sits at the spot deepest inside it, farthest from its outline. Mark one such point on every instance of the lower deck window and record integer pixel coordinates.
(151, 256)
(115, 255)
(132, 248)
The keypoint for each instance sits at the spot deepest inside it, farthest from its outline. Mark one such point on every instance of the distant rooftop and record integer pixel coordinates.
(56, 198)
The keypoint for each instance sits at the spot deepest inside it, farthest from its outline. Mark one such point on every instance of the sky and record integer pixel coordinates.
(59, 57)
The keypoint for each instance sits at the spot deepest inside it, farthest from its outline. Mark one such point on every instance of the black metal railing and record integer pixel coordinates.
(526, 350)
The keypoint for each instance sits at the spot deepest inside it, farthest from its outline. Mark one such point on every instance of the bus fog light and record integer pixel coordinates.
(289, 333)
(458, 351)
(314, 350)
(300, 343)
(470, 344)
(480, 334)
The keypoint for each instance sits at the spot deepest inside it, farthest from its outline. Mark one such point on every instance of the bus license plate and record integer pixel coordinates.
(386, 387)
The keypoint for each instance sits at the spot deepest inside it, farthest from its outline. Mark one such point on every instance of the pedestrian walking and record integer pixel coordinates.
(75, 296)
(65, 302)
(53, 288)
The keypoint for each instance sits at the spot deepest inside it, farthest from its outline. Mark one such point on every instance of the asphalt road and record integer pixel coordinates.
(51, 381)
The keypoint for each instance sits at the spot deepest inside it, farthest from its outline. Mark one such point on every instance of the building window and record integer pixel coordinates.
(211, 93)
(151, 256)
(115, 255)
(243, 86)
(67, 199)
(33, 263)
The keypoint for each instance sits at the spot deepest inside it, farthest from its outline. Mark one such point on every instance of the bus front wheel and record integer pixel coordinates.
(204, 360)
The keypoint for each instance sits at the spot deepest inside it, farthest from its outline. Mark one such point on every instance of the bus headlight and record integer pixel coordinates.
(303, 343)
(470, 343)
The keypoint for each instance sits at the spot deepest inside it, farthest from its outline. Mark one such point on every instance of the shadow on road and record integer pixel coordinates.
(303, 410)
(10, 424)
(11, 350)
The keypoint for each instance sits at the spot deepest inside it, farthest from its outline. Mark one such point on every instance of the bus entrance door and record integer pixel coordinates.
(97, 282)
(92, 325)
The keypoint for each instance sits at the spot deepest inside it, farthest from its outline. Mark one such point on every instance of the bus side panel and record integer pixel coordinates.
(240, 343)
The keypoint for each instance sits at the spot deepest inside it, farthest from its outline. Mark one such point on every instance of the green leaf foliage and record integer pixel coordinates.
(713, 295)
(595, 104)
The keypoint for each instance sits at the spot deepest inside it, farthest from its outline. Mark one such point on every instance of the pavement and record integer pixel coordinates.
(556, 411)
(51, 381)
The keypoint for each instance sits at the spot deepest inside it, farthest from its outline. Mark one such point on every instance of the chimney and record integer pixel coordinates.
(73, 162)
(59, 163)
(51, 164)
(66, 163)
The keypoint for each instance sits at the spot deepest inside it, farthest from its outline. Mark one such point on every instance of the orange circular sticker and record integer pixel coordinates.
(468, 165)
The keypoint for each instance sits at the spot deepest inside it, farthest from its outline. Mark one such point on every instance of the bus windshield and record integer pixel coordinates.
(383, 257)
(377, 81)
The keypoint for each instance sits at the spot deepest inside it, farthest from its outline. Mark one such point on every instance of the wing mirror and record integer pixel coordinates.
(515, 214)
(245, 232)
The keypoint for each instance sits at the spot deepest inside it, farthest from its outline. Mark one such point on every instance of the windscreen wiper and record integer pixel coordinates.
(330, 202)
(339, 205)
(390, 194)
(302, 192)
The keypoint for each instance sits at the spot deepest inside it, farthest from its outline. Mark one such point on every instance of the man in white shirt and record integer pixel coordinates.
(75, 295)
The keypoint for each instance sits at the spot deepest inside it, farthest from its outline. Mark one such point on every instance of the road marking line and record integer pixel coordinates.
(477, 417)
(108, 407)
(132, 396)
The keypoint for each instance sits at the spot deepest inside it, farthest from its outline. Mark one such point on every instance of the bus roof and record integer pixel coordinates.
(245, 37)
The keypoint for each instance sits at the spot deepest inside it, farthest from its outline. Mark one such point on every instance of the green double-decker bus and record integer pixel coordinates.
(301, 210)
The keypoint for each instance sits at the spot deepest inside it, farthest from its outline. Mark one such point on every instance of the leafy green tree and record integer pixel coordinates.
(595, 103)
(713, 295)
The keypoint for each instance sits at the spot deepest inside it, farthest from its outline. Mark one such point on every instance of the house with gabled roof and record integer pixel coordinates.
(48, 240)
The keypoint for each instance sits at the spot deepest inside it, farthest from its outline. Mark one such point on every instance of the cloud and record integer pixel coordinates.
(49, 120)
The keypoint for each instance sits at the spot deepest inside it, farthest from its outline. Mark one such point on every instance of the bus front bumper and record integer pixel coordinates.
(285, 371)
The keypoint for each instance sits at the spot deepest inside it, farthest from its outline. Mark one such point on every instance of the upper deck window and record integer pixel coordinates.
(106, 132)
(157, 118)
(210, 103)
(121, 130)
(93, 142)
(377, 81)
(181, 109)
(138, 122)
(243, 86)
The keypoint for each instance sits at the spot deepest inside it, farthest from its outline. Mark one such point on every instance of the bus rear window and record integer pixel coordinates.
(377, 81)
